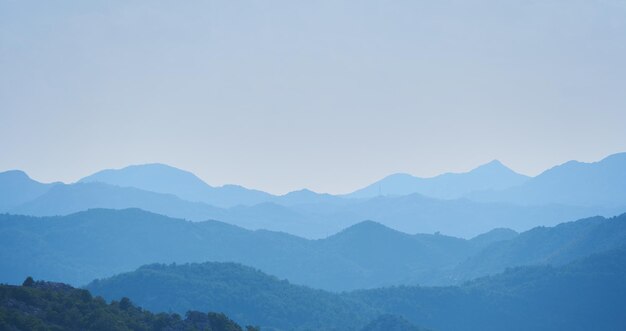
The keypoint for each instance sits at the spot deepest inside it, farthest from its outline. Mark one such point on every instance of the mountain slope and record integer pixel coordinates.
(67, 199)
(162, 178)
(55, 306)
(17, 188)
(601, 183)
(100, 243)
(460, 217)
(386, 256)
(491, 176)
(586, 294)
(557, 245)
(390, 323)
(245, 294)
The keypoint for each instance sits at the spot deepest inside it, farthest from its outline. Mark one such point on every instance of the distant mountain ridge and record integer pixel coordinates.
(491, 176)
(162, 178)
(16, 188)
(601, 183)
(570, 191)
(412, 213)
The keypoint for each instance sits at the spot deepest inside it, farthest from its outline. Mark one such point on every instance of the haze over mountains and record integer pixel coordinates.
(99, 243)
(464, 205)
(161, 178)
(586, 294)
(491, 176)
(601, 183)
(480, 250)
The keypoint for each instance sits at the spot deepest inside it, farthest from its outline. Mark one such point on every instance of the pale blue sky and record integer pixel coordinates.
(329, 95)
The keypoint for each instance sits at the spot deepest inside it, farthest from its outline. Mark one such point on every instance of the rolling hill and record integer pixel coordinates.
(247, 295)
(586, 294)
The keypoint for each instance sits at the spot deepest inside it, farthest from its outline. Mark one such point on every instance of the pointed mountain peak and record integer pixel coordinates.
(494, 164)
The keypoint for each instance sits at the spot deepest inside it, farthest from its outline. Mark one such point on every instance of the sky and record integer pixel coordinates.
(330, 95)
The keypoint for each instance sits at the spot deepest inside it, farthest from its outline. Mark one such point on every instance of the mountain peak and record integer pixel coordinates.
(155, 177)
(492, 166)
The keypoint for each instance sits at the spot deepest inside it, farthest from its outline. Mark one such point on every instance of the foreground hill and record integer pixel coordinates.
(587, 294)
(247, 295)
(56, 306)
(99, 243)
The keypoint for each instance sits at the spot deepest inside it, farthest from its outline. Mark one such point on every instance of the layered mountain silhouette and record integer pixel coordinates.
(451, 203)
(16, 188)
(328, 215)
(586, 294)
(65, 199)
(491, 176)
(601, 183)
(162, 178)
(100, 243)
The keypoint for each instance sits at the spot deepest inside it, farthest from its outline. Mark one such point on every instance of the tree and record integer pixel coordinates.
(28, 282)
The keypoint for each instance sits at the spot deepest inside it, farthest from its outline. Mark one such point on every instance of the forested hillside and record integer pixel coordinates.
(55, 306)
(247, 295)
(587, 294)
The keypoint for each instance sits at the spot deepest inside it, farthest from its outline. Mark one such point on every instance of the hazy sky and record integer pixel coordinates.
(329, 95)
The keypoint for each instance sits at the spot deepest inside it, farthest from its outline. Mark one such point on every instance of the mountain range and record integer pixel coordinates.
(601, 183)
(463, 205)
(99, 243)
(491, 176)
